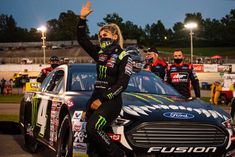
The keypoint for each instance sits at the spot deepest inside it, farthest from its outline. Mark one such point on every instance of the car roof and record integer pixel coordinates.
(91, 67)
(82, 66)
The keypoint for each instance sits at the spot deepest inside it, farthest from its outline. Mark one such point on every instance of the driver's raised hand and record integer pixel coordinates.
(86, 10)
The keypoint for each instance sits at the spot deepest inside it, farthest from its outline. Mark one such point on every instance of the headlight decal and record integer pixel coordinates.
(120, 130)
(130, 111)
(145, 108)
(138, 110)
(228, 125)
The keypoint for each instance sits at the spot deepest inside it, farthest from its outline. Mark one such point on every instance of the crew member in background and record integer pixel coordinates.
(232, 88)
(54, 62)
(154, 64)
(215, 92)
(180, 75)
(2, 85)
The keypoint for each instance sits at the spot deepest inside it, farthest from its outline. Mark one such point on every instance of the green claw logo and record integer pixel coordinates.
(110, 95)
(102, 71)
(100, 123)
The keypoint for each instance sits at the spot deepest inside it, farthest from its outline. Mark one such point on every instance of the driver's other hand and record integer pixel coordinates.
(96, 104)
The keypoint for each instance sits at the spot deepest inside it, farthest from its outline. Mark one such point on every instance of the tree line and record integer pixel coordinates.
(210, 32)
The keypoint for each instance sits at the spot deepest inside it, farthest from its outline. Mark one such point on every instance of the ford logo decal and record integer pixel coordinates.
(178, 115)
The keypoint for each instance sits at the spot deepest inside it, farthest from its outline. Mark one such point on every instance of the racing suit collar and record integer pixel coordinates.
(114, 49)
(178, 65)
(158, 61)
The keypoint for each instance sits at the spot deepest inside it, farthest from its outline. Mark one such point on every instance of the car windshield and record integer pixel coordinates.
(142, 82)
(146, 82)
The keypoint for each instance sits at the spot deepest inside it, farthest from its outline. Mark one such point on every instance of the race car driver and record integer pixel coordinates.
(114, 68)
(54, 61)
(181, 75)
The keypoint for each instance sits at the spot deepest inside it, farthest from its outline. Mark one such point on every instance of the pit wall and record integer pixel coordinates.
(205, 72)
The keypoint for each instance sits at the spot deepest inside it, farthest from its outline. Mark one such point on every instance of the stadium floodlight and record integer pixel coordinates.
(191, 26)
(43, 30)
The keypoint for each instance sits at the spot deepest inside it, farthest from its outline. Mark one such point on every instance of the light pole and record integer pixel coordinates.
(191, 26)
(43, 30)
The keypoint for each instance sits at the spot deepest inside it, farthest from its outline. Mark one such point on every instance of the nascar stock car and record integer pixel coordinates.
(155, 119)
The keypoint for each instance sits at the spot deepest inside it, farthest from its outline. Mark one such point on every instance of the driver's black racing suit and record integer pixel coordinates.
(180, 76)
(114, 68)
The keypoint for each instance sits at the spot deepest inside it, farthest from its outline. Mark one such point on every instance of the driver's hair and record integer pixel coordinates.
(114, 29)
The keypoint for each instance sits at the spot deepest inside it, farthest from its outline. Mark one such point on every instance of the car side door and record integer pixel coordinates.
(43, 113)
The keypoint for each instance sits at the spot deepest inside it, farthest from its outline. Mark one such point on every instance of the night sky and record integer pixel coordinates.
(33, 13)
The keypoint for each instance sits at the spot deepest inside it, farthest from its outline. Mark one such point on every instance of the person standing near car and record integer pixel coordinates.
(3, 83)
(54, 62)
(181, 76)
(216, 88)
(154, 64)
(114, 68)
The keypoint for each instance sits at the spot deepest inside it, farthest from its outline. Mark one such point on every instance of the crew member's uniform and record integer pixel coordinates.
(158, 67)
(114, 68)
(180, 76)
(215, 93)
(44, 73)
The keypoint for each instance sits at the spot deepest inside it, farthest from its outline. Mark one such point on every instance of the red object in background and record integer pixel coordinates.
(216, 57)
(198, 67)
(227, 94)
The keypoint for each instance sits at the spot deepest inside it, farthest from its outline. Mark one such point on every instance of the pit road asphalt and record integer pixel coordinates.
(11, 141)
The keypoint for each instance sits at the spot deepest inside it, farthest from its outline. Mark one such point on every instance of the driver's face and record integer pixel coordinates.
(107, 34)
(151, 55)
(178, 55)
(54, 62)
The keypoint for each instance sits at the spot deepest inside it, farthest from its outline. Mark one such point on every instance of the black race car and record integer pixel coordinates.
(155, 119)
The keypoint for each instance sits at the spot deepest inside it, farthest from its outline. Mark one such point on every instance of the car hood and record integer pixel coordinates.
(152, 107)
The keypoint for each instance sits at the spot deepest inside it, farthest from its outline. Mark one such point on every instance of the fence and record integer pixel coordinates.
(39, 60)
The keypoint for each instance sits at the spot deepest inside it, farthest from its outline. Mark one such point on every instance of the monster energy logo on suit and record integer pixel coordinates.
(110, 95)
(102, 71)
(100, 123)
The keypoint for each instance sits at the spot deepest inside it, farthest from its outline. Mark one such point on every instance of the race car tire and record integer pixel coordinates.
(65, 140)
(29, 142)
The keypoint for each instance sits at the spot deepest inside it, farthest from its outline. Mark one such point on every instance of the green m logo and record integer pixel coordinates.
(102, 71)
(100, 123)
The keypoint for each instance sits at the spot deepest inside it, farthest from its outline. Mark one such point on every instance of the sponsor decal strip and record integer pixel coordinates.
(137, 96)
(166, 98)
(151, 97)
